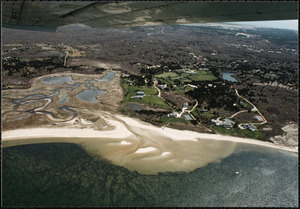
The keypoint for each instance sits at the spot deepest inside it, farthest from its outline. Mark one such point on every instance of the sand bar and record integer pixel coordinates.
(140, 146)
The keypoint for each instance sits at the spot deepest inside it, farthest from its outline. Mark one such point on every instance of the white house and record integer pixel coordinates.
(162, 86)
(185, 105)
(173, 115)
(140, 93)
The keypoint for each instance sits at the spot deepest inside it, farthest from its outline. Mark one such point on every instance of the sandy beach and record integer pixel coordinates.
(140, 146)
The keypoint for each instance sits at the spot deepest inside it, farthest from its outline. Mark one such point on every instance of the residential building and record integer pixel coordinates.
(137, 97)
(226, 123)
(258, 118)
(250, 127)
(185, 105)
(187, 117)
(162, 86)
(140, 93)
(173, 115)
(192, 86)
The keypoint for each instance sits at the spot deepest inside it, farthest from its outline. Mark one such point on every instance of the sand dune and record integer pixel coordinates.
(139, 146)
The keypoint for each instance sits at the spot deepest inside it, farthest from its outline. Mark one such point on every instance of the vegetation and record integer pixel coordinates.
(166, 120)
(171, 75)
(150, 97)
(252, 134)
(238, 132)
(202, 76)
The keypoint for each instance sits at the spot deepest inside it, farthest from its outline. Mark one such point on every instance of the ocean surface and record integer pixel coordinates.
(62, 174)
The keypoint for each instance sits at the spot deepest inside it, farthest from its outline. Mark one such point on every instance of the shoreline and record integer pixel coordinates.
(121, 131)
(140, 146)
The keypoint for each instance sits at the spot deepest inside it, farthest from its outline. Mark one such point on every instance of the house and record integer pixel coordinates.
(187, 117)
(162, 86)
(192, 86)
(185, 105)
(229, 121)
(258, 118)
(226, 123)
(250, 127)
(209, 85)
(193, 73)
(181, 87)
(140, 93)
(173, 115)
(137, 97)
(216, 122)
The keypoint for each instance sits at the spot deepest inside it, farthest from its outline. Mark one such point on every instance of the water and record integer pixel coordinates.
(20, 101)
(89, 95)
(61, 174)
(227, 76)
(62, 98)
(134, 107)
(107, 78)
(56, 80)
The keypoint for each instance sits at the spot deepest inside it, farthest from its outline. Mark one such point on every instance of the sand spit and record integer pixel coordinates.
(139, 146)
(289, 137)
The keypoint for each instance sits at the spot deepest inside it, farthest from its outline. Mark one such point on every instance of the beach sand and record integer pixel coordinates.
(139, 146)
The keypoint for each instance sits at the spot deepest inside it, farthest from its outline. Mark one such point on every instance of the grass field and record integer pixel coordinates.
(252, 134)
(186, 77)
(203, 76)
(153, 101)
(150, 97)
(166, 120)
(238, 132)
(208, 114)
(166, 75)
(221, 130)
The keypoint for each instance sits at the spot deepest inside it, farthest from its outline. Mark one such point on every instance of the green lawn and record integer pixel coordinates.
(153, 101)
(165, 81)
(166, 75)
(208, 114)
(221, 130)
(166, 120)
(203, 76)
(238, 132)
(147, 90)
(151, 97)
(185, 80)
(252, 134)
(178, 90)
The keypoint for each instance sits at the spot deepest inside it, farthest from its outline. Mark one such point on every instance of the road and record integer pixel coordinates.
(235, 114)
(254, 107)
(189, 111)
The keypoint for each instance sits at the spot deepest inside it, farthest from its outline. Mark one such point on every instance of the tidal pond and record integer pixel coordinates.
(55, 80)
(107, 78)
(228, 77)
(89, 95)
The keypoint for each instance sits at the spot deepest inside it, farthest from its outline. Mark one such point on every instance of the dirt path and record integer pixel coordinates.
(254, 107)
